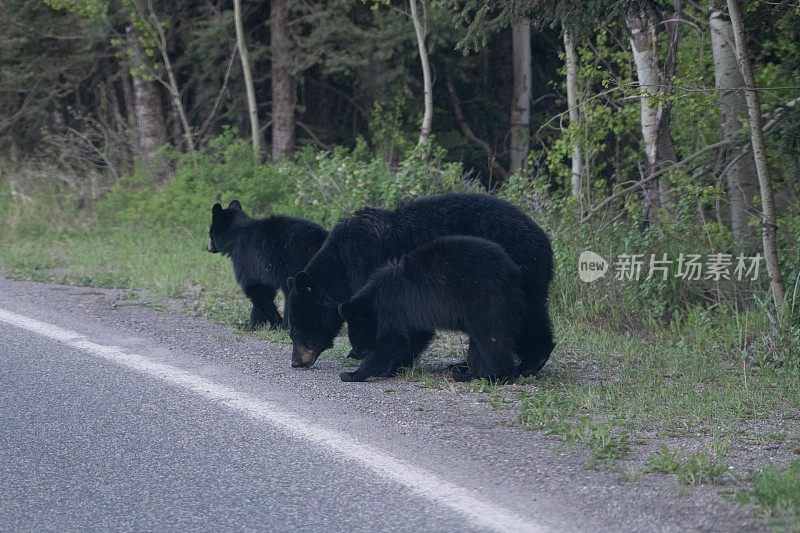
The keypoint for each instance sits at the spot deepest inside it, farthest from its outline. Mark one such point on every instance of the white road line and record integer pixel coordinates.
(460, 499)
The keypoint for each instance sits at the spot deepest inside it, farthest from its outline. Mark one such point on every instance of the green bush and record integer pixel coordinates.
(226, 170)
(335, 184)
(318, 185)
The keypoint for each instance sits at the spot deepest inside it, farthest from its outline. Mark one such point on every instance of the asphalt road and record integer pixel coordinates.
(119, 417)
(89, 445)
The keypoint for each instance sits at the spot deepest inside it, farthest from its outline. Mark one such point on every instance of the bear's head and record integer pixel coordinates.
(315, 321)
(221, 222)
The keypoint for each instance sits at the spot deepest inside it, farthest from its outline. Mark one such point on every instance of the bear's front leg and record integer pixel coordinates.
(372, 365)
(257, 320)
(391, 353)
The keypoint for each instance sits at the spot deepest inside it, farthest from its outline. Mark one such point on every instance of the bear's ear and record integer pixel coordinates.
(235, 205)
(216, 212)
(304, 283)
(290, 283)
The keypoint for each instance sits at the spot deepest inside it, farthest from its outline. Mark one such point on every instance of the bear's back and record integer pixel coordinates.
(462, 256)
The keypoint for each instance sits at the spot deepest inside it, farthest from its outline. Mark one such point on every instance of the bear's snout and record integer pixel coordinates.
(303, 357)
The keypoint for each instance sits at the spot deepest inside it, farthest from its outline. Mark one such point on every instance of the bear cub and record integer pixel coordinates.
(456, 283)
(264, 253)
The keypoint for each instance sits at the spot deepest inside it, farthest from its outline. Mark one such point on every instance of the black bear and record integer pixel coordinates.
(360, 244)
(264, 253)
(454, 283)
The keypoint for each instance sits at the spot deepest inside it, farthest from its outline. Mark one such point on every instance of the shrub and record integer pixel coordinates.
(226, 170)
(335, 184)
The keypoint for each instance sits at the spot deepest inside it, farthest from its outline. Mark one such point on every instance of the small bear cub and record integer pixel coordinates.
(264, 253)
(456, 283)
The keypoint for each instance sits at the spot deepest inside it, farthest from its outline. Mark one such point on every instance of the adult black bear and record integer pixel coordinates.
(358, 245)
(454, 283)
(264, 254)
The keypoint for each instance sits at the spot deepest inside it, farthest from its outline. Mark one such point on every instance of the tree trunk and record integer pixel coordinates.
(150, 127)
(176, 134)
(574, 113)
(154, 28)
(760, 156)
(741, 179)
(463, 123)
(658, 145)
(283, 90)
(175, 94)
(130, 101)
(255, 131)
(59, 119)
(117, 109)
(427, 83)
(521, 99)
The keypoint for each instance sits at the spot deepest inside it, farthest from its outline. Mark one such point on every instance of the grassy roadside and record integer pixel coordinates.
(639, 405)
(166, 266)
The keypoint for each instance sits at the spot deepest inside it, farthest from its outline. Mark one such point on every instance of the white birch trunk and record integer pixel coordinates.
(643, 45)
(574, 112)
(741, 179)
(149, 120)
(760, 155)
(255, 131)
(521, 99)
(427, 81)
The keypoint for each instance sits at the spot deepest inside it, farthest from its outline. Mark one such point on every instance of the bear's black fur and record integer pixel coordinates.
(454, 283)
(264, 253)
(359, 245)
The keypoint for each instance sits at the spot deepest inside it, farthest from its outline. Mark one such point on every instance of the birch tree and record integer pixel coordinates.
(152, 25)
(252, 110)
(521, 99)
(741, 179)
(655, 110)
(571, 61)
(151, 132)
(427, 82)
(769, 230)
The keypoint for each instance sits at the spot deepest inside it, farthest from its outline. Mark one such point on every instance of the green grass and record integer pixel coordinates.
(275, 335)
(166, 264)
(777, 494)
(611, 390)
(656, 384)
(420, 373)
(699, 469)
(664, 461)
(695, 469)
(560, 415)
(493, 389)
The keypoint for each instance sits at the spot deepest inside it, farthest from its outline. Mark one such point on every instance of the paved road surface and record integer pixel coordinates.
(116, 416)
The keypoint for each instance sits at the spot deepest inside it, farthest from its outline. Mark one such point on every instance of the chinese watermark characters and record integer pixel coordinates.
(688, 267)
